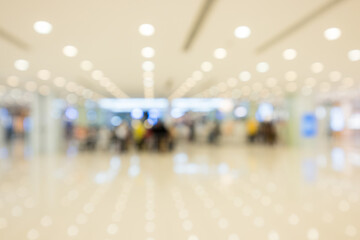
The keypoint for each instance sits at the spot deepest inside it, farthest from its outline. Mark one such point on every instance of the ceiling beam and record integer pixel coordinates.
(200, 19)
(297, 25)
(8, 37)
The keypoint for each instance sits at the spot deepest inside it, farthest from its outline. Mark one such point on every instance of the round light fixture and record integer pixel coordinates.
(317, 67)
(245, 76)
(21, 65)
(332, 34)
(42, 27)
(44, 74)
(148, 66)
(262, 67)
(289, 54)
(97, 75)
(242, 32)
(148, 52)
(59, 81)
(86, 65)
(206, 66)
(70, 51)
(354, 55)
(13, 81)
(147, 29)
(220, 53)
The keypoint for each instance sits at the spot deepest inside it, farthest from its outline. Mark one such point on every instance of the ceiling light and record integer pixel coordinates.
(86, 65)
(354, 55)
(262, 67)
(97, 75)
(44, 74)
(335, 76)
(289, 54)
(70, 51)
(332, 33)
(242, 32)
(291, 76)
(317, 67)
(42, 27)
(245, 76)
(206, 66)
(148, 66)
(59, 81)
(146, 29)
(220, 53)
(148, 52)
(21, 65)
(13, 81)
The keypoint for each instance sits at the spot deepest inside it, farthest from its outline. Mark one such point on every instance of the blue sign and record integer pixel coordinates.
(308, 125)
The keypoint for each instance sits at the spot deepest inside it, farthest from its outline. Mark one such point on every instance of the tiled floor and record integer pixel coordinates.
(197, 192)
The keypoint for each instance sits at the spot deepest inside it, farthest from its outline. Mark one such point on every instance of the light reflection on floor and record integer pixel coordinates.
(197, 192)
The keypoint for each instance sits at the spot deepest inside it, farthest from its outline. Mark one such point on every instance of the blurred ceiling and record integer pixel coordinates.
(186, 34)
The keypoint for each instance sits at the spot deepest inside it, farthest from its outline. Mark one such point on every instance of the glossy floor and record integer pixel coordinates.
(195, 193)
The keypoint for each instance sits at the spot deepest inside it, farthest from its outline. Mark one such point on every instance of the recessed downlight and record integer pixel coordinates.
(86, 65)
(317, 67)
(21, 65)
(44, 74)
(220, 53)
(242, 32)
(147, 29)
(262, 67)
(42, 27)
(70, 51)
(291, 76)
(59, 81)
(206, 66)
(332, 34)
(148, 66)
(289, 54)
(354, 55)
(97, 75)
(148, 52)
(245, 76)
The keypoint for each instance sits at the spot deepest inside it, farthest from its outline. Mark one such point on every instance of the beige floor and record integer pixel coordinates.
(197, 192)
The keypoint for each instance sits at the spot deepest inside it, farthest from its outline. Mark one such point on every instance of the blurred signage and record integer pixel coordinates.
(309, 125)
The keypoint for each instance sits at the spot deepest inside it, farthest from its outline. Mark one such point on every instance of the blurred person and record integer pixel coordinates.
(269, 133)
(172, 137)
(160, 135)
(191, 126)
(215, 133)
(104, 138)
(251, 130)
(139, 132)
(122, 133)
(91, 138)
